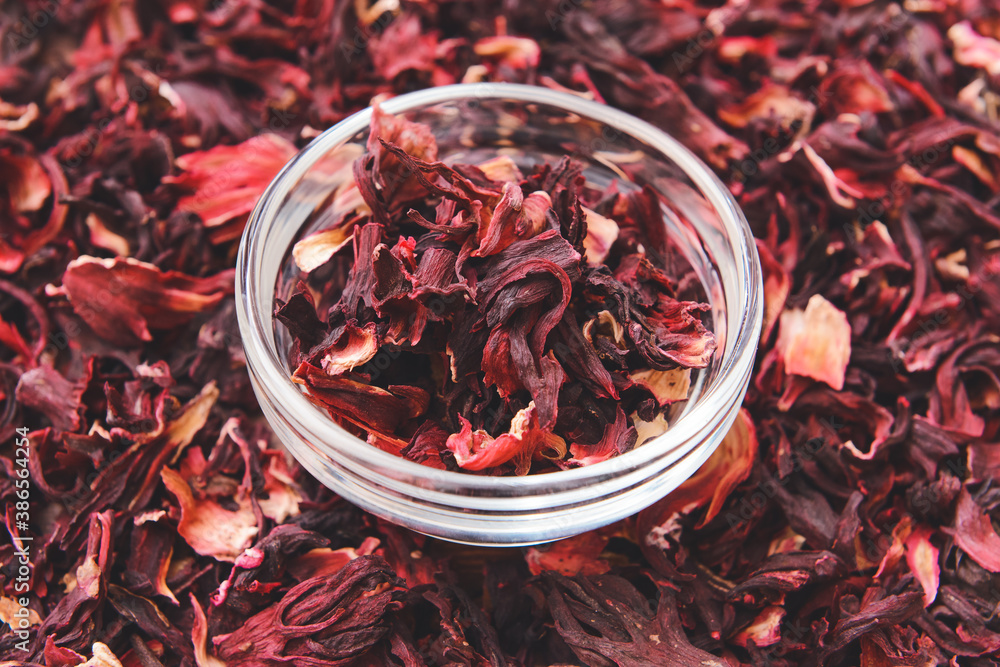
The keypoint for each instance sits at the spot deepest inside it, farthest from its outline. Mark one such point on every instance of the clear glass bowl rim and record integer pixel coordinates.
(264, 361)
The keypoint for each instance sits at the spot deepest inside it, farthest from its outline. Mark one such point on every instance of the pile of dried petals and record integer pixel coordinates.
(528, 311)
(850, 517)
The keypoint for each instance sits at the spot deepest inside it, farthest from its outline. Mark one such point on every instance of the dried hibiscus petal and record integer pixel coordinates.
(45, 390)
(30, 182)
(816, 342)
(210, 528)
(124, 300)
(478, 451)
(227, 180)
(974, 532)
(330, 619)
(606, 622)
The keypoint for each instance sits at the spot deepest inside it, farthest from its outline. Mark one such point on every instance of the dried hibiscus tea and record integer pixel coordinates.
(474, 317)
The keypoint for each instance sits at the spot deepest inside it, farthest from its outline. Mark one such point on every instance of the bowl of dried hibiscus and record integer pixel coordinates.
(498, 313)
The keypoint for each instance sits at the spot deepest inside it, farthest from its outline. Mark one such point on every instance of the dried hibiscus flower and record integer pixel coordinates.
(487, 320)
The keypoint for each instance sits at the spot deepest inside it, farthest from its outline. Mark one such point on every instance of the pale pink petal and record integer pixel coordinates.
(602, 232)
(973, 49)
(922, 557)
(355, 347)
(199, 638)
(764, 630)
(515, 52)
(501, 168)
(816, 342)
(209, 528)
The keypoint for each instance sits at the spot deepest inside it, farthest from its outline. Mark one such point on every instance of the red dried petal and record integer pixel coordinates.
(394, 176)
(363, 404)
(514, 217)
(974, 534)
(771, 101)
(855, 87)
(30, 182)
(514, 52)
(606, 621)
(324, 562)
(777, 285)
(403, 45)
(569, 557)
(477, 450)
(729, 465)
(124, 300)
(152, 545)
(619, 437)
(283, 494)
(227, 180)
(57, 656)
(47, 391)
(28, 186)
(328, 620)
(984, 461)
(352, 348)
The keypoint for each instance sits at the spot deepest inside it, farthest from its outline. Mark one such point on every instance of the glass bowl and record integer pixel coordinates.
(473, 122)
